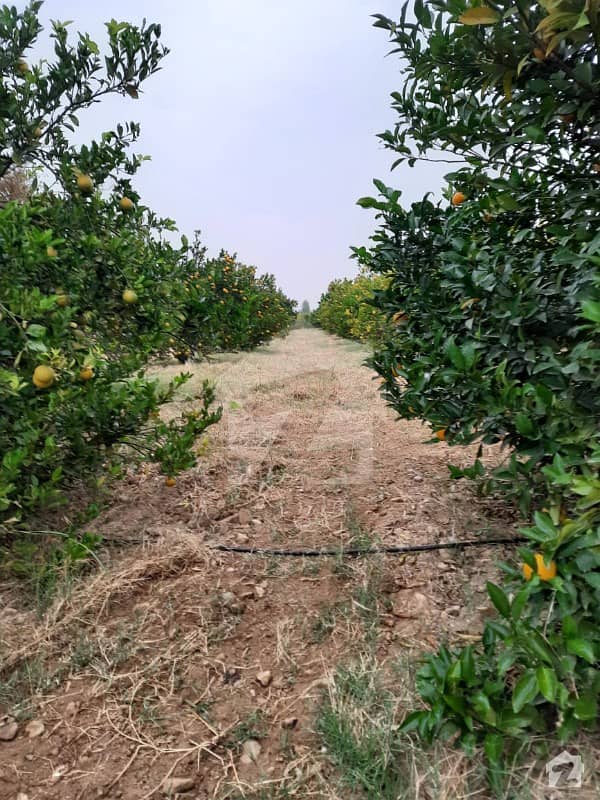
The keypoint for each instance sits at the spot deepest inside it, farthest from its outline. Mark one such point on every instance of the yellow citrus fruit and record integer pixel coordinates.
(86, 373)
(22, 66)
(545, 571)
(51, 252)
(85, 184)
(170, 482)
(458, 198)
(62, 300)
(129, 296)
(126, 204)
(38, 132)
(441, 434)
(43, 376)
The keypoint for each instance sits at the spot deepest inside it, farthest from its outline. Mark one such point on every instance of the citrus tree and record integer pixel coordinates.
(347, 308)
(227, 306)
(495, 298)
(89, 284)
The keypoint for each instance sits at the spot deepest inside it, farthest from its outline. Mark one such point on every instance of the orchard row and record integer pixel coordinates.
(92, 286)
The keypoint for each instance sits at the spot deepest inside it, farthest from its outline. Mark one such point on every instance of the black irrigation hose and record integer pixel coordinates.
(358, 551)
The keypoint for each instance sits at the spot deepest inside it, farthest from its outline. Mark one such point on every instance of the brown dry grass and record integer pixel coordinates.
(148, 668)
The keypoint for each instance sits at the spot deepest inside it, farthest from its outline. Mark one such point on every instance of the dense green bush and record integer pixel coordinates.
(495, 297)
(88, 283)
(227, 306)
(347, 308)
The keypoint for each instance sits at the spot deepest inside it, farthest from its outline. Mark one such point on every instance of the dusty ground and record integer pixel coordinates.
(152, 668)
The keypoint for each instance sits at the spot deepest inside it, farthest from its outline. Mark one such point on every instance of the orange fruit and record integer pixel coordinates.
(126, 204)
(545, 571)
(43, 376)
(63, 300)
(458, 198)
(86, 373)
(129, 296)
(85, 184)
(170, 482)
(51, 252)
(441, 434)
(38, 132)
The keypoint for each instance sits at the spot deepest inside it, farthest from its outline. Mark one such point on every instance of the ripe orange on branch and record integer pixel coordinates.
(43, 376)
(545, 571)
(458, 198)
(129, 296)
(85, 184)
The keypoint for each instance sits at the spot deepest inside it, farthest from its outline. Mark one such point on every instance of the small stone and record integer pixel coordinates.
(171, 786)
(264, 678)
(22, 796)
(259, 592)
(242, 538)
(418, 478)
(9, 731)
(250, 751)
(244, 517)
(35, 728)
(453, 611)
(290, 723)
(256, 522)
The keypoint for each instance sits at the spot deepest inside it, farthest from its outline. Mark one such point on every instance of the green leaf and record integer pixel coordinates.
(525, 691)
(455, 354)
(586, 708)
(493, 744)
(524, 425)
(582, 649)
(482, 706)
(547, 683)
(499, 599)
(590, 309)
(545, 525)
(518, 603)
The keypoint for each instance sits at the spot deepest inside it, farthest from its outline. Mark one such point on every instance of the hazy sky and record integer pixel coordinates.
(261, 126)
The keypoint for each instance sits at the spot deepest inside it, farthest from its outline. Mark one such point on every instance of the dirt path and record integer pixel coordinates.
(167, 663)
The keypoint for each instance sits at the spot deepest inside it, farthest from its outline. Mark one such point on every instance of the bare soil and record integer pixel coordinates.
(147, 670)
